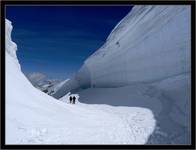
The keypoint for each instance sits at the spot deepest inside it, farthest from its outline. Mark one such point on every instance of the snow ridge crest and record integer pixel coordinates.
(11, 46)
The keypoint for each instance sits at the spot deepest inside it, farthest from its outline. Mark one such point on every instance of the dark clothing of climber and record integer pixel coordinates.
(74, 99)
(70, 99)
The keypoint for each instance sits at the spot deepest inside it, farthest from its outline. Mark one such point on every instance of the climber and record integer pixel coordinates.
(74, 98)
(117, 43)
(70, 99)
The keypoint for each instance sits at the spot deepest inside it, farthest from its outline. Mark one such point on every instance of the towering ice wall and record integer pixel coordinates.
(151, 43)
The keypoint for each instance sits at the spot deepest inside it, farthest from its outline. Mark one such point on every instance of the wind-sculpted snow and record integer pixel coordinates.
(10, 46)
(149, 48)
(151, 43)
(169, 100)
(33, 117)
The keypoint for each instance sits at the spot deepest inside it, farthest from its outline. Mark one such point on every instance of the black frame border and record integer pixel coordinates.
(76, 2)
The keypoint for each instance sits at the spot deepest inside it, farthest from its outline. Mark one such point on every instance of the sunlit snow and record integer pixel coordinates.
(33, 117)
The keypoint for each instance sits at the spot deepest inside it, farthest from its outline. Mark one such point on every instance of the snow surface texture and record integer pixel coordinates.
(144, 62)
(33, 117)
(150, 44)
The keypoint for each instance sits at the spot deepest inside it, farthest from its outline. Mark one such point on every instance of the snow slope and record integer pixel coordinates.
(169, 101)
(150, 44)
(145, 62)
(33, 117)
(151, 47)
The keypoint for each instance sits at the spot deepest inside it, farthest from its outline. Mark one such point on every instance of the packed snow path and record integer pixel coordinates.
(87, 124)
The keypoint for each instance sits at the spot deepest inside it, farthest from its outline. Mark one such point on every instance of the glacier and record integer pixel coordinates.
(145, 62)
(33, 117)
(151, 43)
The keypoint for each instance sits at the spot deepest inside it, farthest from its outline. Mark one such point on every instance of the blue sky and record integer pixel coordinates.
(55, 40)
